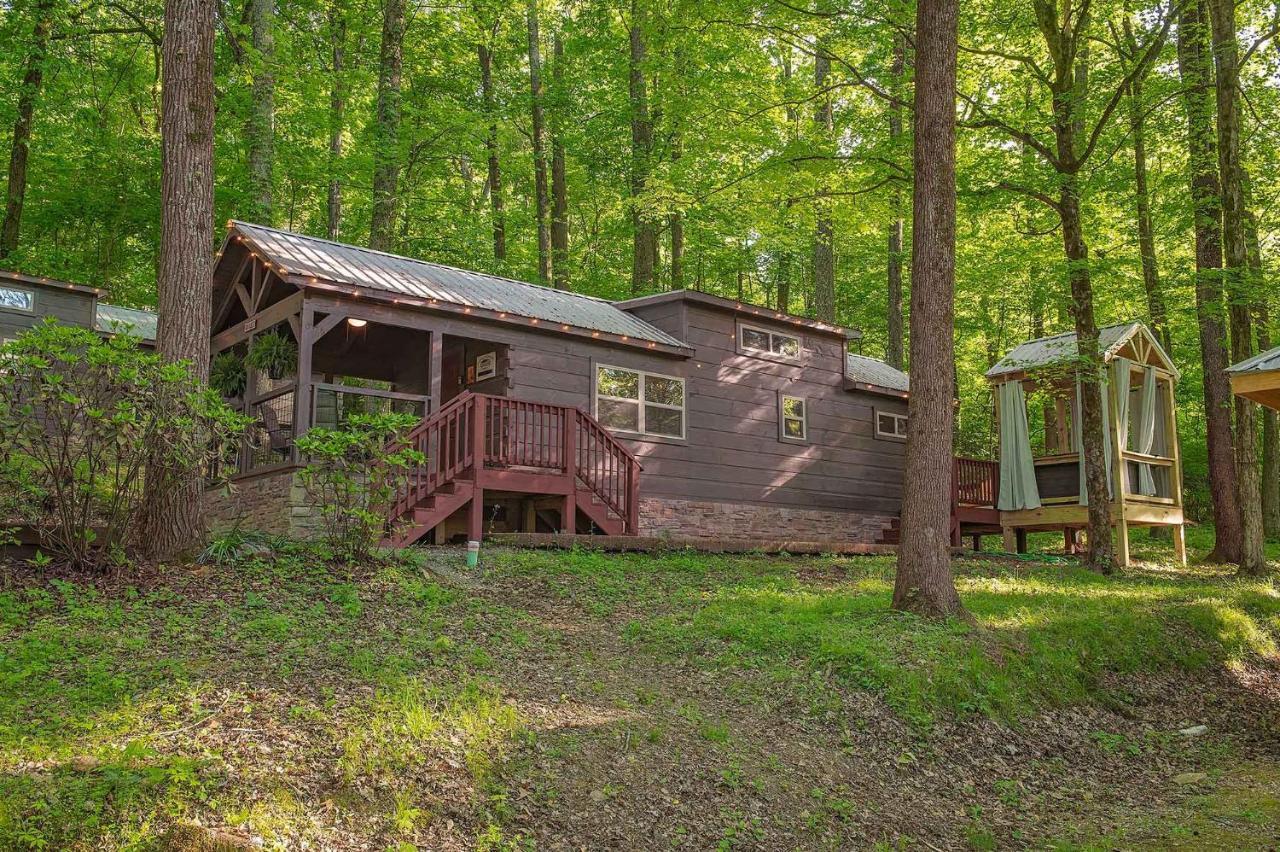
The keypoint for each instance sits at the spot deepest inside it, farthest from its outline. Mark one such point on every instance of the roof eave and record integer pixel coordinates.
(868, 387)
(744, 308)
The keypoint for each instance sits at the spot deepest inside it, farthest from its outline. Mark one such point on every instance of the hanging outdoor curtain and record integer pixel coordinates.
(1120, 375)
(1076, 439)
(1017, 470)
(1146, 437)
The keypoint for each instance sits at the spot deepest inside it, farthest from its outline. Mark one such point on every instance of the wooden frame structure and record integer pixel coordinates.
(1057, 469)
(1258, 378)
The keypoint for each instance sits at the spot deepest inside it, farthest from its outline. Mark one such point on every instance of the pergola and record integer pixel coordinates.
(1258, 378)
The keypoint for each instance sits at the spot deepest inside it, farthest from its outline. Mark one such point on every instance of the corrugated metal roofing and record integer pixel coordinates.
(1061, 347)
(870, 371)
(1261, 363)
(362, 267)
(111, 318)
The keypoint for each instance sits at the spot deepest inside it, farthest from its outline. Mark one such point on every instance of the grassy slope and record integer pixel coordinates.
(290, 701)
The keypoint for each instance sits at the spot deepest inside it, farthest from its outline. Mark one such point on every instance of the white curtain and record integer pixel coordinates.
(1078, 432)
(1145, 439)
(1120, 375)
(1018, 488)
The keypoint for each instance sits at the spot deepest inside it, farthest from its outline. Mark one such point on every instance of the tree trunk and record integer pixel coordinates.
(1236, 277)
(184, 278)
(1196, 72)
(261, 128)
(32, 79)
(824, 263)
(484, 54)
(386, 153)
(1270, 435)
(893, 346)
(644, 232)
(559, 187)
(539, 147)
(337, 116)
(924, 583)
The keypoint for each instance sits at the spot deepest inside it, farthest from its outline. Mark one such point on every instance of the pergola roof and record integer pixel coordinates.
(313, 260)
(1258, 378)
(1058, 348)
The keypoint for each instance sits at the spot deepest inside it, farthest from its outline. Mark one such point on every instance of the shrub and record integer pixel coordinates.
(274, 353)
(83, 417)
(227, 374)
(353, 474)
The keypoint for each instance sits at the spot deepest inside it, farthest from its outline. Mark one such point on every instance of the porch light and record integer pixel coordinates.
(356, 322)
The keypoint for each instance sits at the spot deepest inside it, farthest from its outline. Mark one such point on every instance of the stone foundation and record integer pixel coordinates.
(275, 503)
(704, 519)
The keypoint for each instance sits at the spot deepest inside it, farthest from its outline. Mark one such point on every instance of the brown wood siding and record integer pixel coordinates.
(72, 307)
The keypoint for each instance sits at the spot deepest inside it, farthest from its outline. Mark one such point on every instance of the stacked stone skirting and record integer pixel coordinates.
(274, 502)
(701, 519)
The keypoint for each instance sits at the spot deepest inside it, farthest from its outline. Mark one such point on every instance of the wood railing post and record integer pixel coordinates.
(569, 445)
(477, 436)
(633, 497)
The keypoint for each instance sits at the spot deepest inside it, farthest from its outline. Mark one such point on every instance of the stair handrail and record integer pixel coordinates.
(626, 503)
(421, 482)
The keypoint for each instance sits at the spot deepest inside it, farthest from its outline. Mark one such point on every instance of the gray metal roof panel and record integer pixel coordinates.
(114, 319)
(1263, 362)
(1059, 347)
(362, 267)
(870, 371)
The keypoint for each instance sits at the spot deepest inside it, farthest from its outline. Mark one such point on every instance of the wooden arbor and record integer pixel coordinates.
(1146, 487)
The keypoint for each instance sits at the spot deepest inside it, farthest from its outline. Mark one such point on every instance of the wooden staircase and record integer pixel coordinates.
(479, 442)
(975, 484)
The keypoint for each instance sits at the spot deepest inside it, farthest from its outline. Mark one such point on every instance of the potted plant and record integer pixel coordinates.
(274, 353)
(227, 374)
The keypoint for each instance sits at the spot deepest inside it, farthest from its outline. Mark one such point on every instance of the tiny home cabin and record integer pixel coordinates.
(1041, 473)
(1258, 378)
(28, 300)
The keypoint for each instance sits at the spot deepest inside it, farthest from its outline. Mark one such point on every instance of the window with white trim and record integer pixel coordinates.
(890, 425)
(18, 299)
(793, 414)
(640, 402)
(754, 339)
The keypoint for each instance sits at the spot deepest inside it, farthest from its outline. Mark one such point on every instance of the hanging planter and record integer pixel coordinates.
(227, 375)
(274, 354)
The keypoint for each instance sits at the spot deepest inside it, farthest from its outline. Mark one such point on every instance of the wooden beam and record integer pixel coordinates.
(265, 318)
(326, 325)
(224, 308)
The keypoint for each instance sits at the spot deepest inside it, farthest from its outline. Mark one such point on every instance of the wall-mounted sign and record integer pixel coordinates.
(486, 366)
(250, 325)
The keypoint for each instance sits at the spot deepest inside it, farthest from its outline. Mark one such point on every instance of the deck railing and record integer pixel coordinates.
(975, 482)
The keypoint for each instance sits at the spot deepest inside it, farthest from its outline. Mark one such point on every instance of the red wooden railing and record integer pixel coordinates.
(975, 482)
(516, 434)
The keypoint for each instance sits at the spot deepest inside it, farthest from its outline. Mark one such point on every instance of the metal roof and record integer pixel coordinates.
(111, 318)
(1062, 347)
(1263, 362)
(361, 267)
(870, 371)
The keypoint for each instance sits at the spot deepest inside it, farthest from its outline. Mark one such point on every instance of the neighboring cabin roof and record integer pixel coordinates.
(52, 283)
(1263, 362)
(874, 373)
(744, 308)
(113, 319)
(306, 259)
(1046, 351)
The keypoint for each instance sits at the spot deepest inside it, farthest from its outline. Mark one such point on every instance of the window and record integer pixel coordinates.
(761, 340)
(890, 425)
(635, 401)
(793, 416)
(18, 299)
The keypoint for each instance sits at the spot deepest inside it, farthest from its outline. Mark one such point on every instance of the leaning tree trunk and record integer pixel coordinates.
(824, 262)
(32, 79)
(893, 347)
(644, 233)
(386, 151)
(337, 117)
(1236, 275)
(184, 278)
(1196, 72)
(559, 185)
(484, 55)
(924, 583)
(539, 147)
(261, 128)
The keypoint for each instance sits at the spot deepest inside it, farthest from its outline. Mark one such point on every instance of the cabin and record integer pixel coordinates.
(680, 414)
(28, 300)
(1258, 378)
(1041, 468)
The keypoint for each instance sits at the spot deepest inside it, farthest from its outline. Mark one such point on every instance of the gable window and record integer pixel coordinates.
(640, 402)
(18, 299)
(890, 425)
(753, 340)
(793, 416)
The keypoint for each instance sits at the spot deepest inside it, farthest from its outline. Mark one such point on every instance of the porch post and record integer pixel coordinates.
(302, 381)
(435, 353)
(1119, 476)
(569, 448)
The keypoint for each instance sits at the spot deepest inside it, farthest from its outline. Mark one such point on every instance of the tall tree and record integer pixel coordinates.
(484, 55)
(20, 150)
(893, 348)
(824, 258)
(924, 583)
(260, 130)
(386, 151)
(1235, 265)
(184, 276)
(1196, 70)
(559, 180)
(337, 114)
(539, 145)
(644, 253)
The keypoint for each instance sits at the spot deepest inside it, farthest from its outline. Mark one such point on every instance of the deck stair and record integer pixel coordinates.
(479, 442)
(975, 484)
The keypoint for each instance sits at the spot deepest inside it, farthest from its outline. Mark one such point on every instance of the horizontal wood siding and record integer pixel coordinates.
(68, 306)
